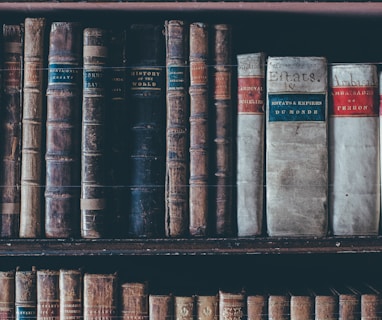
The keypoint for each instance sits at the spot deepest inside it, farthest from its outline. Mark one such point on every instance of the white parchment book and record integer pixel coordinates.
(296, 146)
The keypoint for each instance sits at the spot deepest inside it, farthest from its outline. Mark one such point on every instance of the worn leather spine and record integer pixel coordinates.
(278, 306)
(301, 307)
(207, 307)
(70, 286)
(199, 129)
(177, 129)
(161, 306)
(325, 304)
(250, 146)
(48, 294)
(26, 294)
(257, 307)
(232, 305)
(354, 165)
(222, 180)
(297, 147)
(63, 131)
(93, 147)
(11, 114)
(349, 304)
(100, 296)
(184, 307)
(148, 122)
(33, 142)
(134, 301)
(7, 295)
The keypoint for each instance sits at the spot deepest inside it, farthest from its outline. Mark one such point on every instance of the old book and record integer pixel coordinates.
(207, 307)
(100, 296)
(232, 305)
(199, 129)
(63, 131)
(26, 294)
(177, 129)
(222, 133)
(33, 144)
(11, 112)
(148, 123)
(184, 307)
(134, 301)
(70, 286)
(349, 303)
(250, 143)
(297, 146)
(278, 305)
(371, 300)
(161, 307)
(354, 196)
(301, 305)
(257, 306)
(7, 295)
(48, 294)
(93, 149)
(325, 303)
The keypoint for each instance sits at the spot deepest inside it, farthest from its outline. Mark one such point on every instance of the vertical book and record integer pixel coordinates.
(7, 295)
(26, 294)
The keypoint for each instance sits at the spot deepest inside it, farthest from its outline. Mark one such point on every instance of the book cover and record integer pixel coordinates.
(232, 305)
(70, 286)
(354, 196)
(301, 305)
(371, 302)
(26, 294)
(48, 294)
(33, 144)
(349, 303)
(325, 303)
(11, 115)
(134, 301)
(257, 306)
(250, 146)
(279, 304)
(207, 307)
(296, 147)
(177, 129)
(161, 307)
(7, 295)
(184, 307)
(63, 131)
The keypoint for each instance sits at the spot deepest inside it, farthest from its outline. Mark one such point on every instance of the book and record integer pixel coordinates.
(48, 294)
(257, 306)
(100, 296)
(349, 303)
(11, 112)
(161, 307)
(63, 131)
(207, 307)
(297, 146)
(93, 149)
(371, 302)
(301, 305)
(354, 197)
(184, 307)
(250, 148)
(177, 129)
(7, 295)
(33, 143)
(325, 303)
(70, 286)
(232, 305)
(134, 301)
(199, 129)
(148, 124)
(279, 305)
(222, 134)
(26, 294)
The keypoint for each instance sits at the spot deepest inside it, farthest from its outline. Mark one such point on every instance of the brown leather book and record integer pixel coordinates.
(232, 305)
(199, 144)
(349, 303)
(26, 294)
(278, 306)
(100, 296)
(63, 131)
(48, 294)
(325, 303)
(207, 307)
(94, 104)
(184, 307)
(222, 129)
(301, 305)
(371, 300)
(134, 301)
(257, 307)
(7, 295)
(33, 143)
(177, 139)
(70, 284)
(161, 307)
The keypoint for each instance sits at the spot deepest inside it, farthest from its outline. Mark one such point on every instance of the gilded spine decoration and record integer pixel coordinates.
(70, 284)
(26, 294)
(48, 295)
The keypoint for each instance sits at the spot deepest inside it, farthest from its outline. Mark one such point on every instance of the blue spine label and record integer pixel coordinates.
(25, 313)
(176, 78)
(297, 107)
(63, 74)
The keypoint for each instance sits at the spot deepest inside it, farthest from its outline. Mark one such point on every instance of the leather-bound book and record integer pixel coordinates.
(325, 303)
(177, 129)
(11, 113)
(63, 131)
(93, 148)
(148, 139)
(207, 307)
(26, 294)
(184, 307)
(301, 305)
(161, 307)
(257, 306)
(232, 305)
(33, 143)
(70, 285)
(250, 143)
(199, 129)
(349, 303)
(371, 300)
(134, 301)
(222, 135)
(278, 305)
(7, 295)
(48, 294)
(100, 300)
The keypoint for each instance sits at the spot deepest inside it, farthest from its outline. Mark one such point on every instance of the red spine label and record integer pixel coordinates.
(251, 95)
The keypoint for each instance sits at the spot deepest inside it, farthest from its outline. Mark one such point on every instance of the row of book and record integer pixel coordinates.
(70, 294)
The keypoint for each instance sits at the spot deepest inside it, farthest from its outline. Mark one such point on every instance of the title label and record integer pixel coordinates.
(176, 78)
(144, 78)
(63, 74)
(250, 95)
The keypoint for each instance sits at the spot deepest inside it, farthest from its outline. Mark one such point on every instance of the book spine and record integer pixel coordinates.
(326, 307)
(7, 295)
(301, 307)
(100, 296)
(199, 135)
(223, 134)
(184, 308)
(257, 307)
(148, 115)
(371, 306)
(94, 103)
(278, 307)
(63, 131)
(176, 189)
(161, 307)
(134, 301)
(207, 307)
(354, 122)
(232, 306)
(10, 175)
(32, 137)
(70, 285)
(297, 146)
(26, 294)
(349, 307)
(48, 295)
(250, 143)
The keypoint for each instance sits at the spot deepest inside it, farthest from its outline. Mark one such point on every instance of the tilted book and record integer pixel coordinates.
(26, 294)
(63, 131)
(354, 194)
(11, 114)
(70, 286)
(134, 298)
(296, 146)
(33, 142)
(48, 294)
(161, 306)
(250, 143)
(177, 129)
(7, 295)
